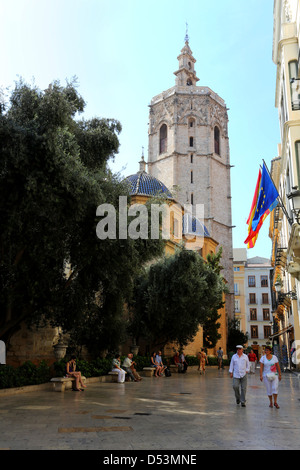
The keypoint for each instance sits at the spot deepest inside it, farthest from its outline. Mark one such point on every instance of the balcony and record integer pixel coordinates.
(293, 251)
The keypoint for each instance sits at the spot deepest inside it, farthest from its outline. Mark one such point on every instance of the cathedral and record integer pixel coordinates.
(188, 150)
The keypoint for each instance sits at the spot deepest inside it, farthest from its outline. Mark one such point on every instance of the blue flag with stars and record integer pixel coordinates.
(267, 197)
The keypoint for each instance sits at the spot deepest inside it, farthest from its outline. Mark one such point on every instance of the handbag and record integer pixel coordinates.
(271, 376)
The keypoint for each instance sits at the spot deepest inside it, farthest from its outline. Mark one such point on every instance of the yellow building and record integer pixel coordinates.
(194, 235)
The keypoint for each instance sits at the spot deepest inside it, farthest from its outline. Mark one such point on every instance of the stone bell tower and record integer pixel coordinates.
(189, 152)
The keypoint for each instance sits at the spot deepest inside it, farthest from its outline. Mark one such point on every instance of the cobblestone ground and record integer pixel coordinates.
(188, 412)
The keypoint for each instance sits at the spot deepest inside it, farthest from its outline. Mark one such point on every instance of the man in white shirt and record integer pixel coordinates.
(238, 369)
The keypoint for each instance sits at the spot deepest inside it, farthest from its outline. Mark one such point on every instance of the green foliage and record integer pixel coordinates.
(26, 374)
(53, 175)
(175, 296)
(235, 336)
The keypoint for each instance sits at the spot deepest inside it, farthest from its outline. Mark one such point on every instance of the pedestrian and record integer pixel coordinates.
(270, 374)
(203, 361)
(220, 358)
(252, 359)
(238, 369)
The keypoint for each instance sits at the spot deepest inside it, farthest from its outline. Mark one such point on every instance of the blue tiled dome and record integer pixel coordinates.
(193, 226)
(146, 185)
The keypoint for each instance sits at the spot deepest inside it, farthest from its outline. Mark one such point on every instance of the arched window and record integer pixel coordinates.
(217, 140)
(163, 138)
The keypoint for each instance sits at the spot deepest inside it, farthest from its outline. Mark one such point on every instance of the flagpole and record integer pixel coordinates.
(280, 200)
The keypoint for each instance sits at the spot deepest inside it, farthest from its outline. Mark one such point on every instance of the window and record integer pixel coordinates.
(236, 289)
(294, 85)
(251, 281)
(267, 331)
(264, 281)
(191, 141)
(236, 268)
(192, 177)
(254, 331)
(163, 138)
(217, 140)
(252, 299)
(297, 149)
(192, 198)
(253, 314)
(266, 313)
(237, 307)
(192, 157)
(191, 123)
(265, 298)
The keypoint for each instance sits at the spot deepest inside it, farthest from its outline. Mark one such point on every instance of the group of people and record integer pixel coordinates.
(270, 374)
(240, 366)
(128, 368)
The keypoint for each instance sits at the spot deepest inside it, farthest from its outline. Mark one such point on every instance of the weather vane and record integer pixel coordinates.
(186, 33)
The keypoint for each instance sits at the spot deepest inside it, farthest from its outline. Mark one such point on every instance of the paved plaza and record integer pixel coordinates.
(183, 412)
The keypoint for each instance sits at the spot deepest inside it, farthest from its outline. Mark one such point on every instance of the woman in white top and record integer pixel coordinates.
(270, 373)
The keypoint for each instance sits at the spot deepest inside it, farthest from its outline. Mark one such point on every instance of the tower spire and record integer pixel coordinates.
(186, 33)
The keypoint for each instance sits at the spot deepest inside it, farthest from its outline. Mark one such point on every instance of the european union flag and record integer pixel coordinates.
(267, 197)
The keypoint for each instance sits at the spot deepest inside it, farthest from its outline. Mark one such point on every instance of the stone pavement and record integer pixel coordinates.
(189, 412)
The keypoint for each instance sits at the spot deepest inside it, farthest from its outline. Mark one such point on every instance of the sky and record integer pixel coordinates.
(124, 52)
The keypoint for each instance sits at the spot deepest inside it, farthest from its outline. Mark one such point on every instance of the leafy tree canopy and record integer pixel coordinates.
(53, 176)
(175, 296)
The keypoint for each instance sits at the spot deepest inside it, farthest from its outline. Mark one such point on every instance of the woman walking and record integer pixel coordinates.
(270, 374)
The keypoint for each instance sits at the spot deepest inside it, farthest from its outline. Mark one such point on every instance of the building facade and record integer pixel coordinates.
(189, 152)
(143, 187)
(253, 299)
(285, 171)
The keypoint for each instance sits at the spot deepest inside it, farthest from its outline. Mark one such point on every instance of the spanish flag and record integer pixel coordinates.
(264, 201)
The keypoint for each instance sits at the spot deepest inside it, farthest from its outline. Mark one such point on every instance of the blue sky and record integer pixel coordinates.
(124, 52)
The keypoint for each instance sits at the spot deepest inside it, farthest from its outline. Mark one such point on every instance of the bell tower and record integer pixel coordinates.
(188, 150)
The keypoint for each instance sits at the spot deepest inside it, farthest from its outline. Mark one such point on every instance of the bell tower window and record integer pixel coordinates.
(163, 138)
(217, 140)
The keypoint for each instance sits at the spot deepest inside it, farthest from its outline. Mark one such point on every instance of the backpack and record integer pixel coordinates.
(168, 373)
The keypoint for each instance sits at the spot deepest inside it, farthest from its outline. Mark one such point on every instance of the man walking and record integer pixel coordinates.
(238, 369)
(220, 358)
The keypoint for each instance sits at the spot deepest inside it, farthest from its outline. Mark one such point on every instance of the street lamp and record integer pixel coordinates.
(281, 295)
(294, 198)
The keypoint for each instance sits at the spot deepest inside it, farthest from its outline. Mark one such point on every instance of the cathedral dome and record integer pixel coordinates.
(146, 185)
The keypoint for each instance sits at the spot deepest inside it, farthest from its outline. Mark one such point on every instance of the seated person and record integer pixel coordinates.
(177, 362)
(116, 367)
(72, 372)
(127, 363)
(183, 362)
(155, 364)
(160, 363)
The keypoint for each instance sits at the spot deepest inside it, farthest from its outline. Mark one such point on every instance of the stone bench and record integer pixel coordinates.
(173, 368)
(60, 384)
(148, 371)
(114, 375)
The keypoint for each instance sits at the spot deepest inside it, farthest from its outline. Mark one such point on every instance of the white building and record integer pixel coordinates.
(285, 221)
(253, 303)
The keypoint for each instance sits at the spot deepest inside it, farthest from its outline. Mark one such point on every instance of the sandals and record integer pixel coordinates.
(276, 406)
